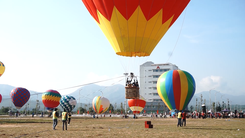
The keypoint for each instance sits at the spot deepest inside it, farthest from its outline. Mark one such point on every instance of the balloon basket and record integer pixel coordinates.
(132, 92)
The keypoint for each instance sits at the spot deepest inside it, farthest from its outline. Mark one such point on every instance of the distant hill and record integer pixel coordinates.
(210, 96)
(115, 94)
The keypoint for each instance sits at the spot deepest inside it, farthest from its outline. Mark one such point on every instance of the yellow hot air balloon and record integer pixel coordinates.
(2, 68)
(134, 27)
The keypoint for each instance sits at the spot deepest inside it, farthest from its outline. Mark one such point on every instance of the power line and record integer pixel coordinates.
(90, 83)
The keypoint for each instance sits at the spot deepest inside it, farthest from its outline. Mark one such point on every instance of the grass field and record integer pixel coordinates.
(118, 127)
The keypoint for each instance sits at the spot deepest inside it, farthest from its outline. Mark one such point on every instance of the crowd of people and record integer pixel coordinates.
(203, 115)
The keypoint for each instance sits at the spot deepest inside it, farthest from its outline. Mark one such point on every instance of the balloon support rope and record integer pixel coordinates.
(177, 38)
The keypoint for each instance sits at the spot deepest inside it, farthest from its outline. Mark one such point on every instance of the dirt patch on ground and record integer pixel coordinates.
(10, 125)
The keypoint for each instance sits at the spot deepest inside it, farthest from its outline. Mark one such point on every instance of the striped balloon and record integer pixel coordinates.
(100, 104)
(136, 105)
(19, 96)
(51, 99)
(176, 88)
(68, 103)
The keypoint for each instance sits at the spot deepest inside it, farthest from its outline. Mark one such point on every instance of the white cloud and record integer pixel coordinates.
(210, 82)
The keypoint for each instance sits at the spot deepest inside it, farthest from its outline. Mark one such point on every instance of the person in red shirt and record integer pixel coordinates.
(183, 119)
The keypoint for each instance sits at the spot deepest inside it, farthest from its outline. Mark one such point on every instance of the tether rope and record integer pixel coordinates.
(177, 38)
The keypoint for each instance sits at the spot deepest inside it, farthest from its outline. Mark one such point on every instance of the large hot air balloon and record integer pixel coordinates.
(100, 104)
(68, 103)
(19, 96)
(51, 99)
(176, 88)
(0, 98)
(136, 105)
(134, 27)
(2, 68)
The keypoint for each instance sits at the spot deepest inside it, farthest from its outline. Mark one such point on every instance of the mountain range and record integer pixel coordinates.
(116, 95)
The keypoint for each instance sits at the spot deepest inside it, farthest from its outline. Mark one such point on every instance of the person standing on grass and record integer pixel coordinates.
(183, 119)
(64, 119)
(69, 118)
(179, 119)
(55, 118)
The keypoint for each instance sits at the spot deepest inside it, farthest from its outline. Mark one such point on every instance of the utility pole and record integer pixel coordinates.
(125, 74)
(205, 105)
(201, 99)
(196, 104)
(79, 107)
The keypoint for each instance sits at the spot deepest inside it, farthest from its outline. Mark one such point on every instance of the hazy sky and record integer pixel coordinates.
(54, 44)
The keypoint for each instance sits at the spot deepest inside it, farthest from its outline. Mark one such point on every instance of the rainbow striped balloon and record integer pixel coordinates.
(100, 104)
(176, 88)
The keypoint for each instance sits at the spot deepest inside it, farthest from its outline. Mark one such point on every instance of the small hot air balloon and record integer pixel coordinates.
(136, 105)
(19, 96)
(68, 103)
(0, 98)
(51, 99)
(100, 104)
(176, 88)
(2, 68)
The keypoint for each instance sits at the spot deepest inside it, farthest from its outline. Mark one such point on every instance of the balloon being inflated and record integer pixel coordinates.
(176, 88)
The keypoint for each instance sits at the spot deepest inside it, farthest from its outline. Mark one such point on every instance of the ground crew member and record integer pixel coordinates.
(55, 118)
(183, 119)
(69, 118)
(179, 119)
(64, 119)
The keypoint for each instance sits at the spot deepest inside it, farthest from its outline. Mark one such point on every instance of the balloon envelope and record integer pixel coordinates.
(0, 98)
(2, 68)
(100, 104)
(134, 27)
(176, 88)
(136, 105)
(68, 103)
(51, 99)
(19, 96)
